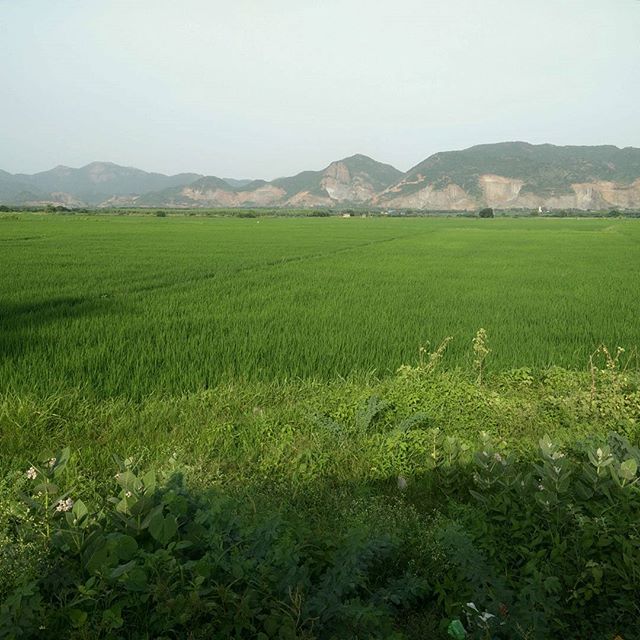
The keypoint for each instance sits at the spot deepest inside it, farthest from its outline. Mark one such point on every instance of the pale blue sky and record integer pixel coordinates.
(255, 88)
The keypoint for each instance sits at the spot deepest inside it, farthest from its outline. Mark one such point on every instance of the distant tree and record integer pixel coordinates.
(161, 214)
(4, 207)
(486, 213)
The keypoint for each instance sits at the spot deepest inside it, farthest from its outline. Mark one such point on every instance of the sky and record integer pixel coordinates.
(261, 89)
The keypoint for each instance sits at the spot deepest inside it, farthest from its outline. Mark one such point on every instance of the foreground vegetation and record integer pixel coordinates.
(258, 493)
(360, 508)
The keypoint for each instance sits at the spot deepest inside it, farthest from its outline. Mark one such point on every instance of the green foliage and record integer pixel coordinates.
(549, 541)
(317, 500)
(354, 508)
(486, 213)
(520, 549)
(158, 560)
(207, 300)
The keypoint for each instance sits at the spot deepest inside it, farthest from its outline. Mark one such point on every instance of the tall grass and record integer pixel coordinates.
(135, 305)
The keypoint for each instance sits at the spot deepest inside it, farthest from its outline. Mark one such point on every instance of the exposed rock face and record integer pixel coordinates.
(452, 197)
(218, 197)
(342, 186)
(505, 175)
(498, 190)
(589, 196)
(521, 175)
(507, 193)
(305, 199)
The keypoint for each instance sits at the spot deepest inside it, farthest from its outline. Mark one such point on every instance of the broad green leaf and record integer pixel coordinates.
(149, 480)
(162, 528)
(628, 469)
(125, 546)
(456, 631)
(135, 580)
(77, 617)
(128, 481)
(79, 510)
(120, 570)
(61, 461)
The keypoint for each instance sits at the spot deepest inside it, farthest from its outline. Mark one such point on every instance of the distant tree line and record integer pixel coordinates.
(320, 212)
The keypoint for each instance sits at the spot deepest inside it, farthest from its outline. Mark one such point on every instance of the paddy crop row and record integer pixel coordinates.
(134, 305)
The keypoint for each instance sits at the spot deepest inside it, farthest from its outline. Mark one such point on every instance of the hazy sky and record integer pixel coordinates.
(263, 88)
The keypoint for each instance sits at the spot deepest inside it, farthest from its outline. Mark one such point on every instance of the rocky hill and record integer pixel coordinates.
(503, 175)
(521, 175)
(352, 180)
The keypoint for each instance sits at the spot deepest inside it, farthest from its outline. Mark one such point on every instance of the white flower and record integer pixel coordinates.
(497, 457)
(540, 487)
(64, 505)
(52, 463)
(32, 473)
(128, 494)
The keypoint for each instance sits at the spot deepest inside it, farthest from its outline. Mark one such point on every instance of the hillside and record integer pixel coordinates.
(356, 179)
(518, 174)
(503, 175)
(93, 184)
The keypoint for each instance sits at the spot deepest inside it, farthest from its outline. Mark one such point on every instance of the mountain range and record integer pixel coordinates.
(502, 175)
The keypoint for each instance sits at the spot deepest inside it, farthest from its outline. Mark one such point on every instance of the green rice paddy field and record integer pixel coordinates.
(279, 473)
(131, 305)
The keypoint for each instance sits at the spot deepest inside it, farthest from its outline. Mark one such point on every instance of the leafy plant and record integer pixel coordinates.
(157, 559)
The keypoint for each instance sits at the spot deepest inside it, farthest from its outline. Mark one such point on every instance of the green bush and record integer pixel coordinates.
(157, 560)
(550, 548)
(508, 548)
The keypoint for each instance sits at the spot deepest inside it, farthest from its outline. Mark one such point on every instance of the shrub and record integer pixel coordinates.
(159, 560)
(486, 213)
(546, 542)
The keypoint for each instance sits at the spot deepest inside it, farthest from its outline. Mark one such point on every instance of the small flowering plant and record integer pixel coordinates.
(44, 495)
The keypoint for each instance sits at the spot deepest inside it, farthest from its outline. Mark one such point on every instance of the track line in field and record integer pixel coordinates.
(267, 265)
